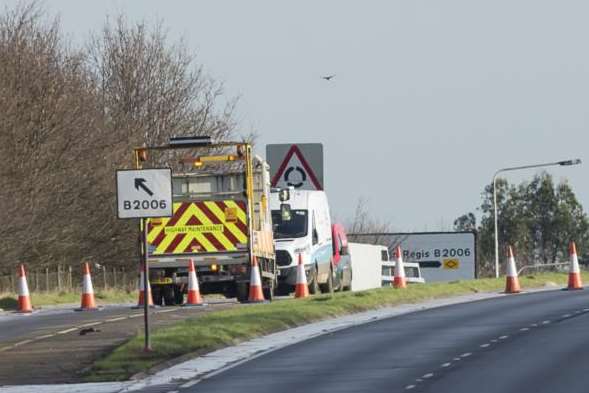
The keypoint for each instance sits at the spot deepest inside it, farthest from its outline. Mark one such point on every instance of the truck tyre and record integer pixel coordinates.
(242, 291)
(314, 281)
(156, 294)
(328, 286)
(178, 294)
(169, 295)
(268, 291)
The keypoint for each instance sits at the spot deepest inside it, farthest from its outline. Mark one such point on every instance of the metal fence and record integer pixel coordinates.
(68, 278)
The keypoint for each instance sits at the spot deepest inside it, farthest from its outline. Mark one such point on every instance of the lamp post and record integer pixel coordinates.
(515, 168)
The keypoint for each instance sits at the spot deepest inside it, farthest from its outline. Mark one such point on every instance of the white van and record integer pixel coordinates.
(302, 226)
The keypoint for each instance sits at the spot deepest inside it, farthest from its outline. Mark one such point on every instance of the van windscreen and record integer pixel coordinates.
(295, 227)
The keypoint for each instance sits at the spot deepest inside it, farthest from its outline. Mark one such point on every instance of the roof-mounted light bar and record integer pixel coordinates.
(190, 141)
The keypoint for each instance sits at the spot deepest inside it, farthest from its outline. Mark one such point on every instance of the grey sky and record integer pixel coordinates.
(430, 97)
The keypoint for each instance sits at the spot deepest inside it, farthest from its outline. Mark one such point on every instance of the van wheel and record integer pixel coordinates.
(313, 282)
(328, 286)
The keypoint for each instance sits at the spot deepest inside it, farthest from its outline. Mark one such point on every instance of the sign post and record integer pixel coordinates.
(144, 193)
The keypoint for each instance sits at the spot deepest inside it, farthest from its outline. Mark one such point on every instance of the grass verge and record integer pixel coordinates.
(228, 327)
(9, 301)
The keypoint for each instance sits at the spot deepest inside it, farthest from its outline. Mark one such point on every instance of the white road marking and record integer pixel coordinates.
(566, 315)
(545, 322)
(91, 324)
(173, 391)
(18, 344)
(135, 315)
(586, 309)
(45, 336)
(534, 325)
(494, 340)
(190, 383)
(465, 355)
(485, 345)
(524, 329)
(456, 359)
(446, 364)
(503, 337)
(428, 375)
(66, 331)
(409, 387)
(115, 319)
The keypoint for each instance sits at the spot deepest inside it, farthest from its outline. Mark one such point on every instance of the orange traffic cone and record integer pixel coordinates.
(574, 272)
(193, 297)
(24, 297)
(399, 281)
(88, 301)
(301, 287)
(255, 295)
(141, 300)
(512, 280)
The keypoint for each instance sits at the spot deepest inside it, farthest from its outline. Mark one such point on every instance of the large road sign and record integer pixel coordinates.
(442, 256)
(144, 193)
(296, 165)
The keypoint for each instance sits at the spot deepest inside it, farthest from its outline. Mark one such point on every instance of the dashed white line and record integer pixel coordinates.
(409, 387)
(18, 344)
(91, 324)
(503, 337)
(485, 345)
(524, 329)
(173, 391)
(465, 355)
(66, 331)
(190, 383)
(545, 322)
(45, 336)
(456, 359)
(428, 375)
(115, 319)
(566, 315)
(494, 340)
(448, 364)
(534, 325)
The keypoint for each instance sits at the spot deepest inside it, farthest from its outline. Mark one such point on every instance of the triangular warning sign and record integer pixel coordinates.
(294, 171)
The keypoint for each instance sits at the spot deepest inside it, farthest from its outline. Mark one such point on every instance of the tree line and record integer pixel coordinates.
(69, 117)
(538, 218)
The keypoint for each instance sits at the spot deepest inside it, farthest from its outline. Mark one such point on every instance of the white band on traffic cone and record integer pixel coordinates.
(23, 287)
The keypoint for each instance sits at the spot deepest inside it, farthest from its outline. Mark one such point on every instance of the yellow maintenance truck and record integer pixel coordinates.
(221, 219)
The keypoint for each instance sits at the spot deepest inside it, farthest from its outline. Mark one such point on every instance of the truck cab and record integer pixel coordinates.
(301, 226)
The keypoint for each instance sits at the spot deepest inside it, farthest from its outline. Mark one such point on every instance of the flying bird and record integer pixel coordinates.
(328, 77)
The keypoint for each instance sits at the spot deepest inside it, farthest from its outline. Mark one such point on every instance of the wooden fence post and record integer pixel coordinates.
(47, 279)
(114, 277)
(70, 282)
(59, 283)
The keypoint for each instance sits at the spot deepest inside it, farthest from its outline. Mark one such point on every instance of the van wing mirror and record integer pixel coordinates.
(285, 213)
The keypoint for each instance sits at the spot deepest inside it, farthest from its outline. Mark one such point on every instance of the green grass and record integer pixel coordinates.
(223, 328)
(8, 301)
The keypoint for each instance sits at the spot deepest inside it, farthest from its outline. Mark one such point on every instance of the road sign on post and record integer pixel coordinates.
(144, 193)
(296, 165)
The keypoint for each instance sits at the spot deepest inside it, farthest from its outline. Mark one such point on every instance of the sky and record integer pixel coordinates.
(430, 97)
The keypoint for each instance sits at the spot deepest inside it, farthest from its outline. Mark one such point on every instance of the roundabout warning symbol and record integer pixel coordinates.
(290, 166)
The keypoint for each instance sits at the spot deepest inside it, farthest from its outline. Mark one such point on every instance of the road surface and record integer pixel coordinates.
(523, 343)
(49, 341)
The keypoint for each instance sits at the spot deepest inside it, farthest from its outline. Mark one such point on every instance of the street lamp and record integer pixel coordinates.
(557, 163)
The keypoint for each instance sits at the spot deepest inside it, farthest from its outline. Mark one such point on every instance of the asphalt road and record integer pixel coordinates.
(524, 343)
(47, 347)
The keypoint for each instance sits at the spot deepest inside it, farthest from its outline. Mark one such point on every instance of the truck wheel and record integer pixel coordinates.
(169, 296)
(269, 291)
(313, 281)
(156, 294)
(178, 294)
(242, 290)
(328, 286)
